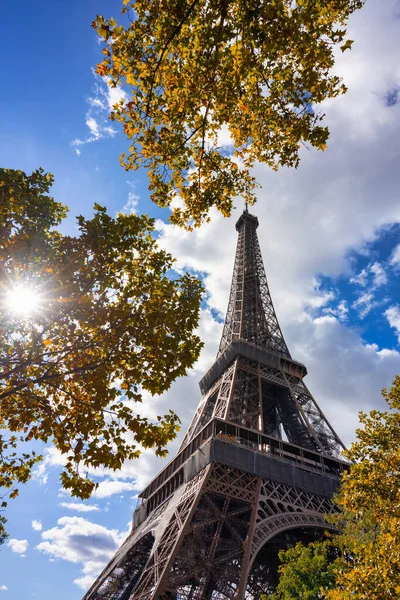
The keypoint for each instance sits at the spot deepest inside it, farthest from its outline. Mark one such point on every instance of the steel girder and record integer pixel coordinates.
(251, 314)
(203, 542)
(268, 400)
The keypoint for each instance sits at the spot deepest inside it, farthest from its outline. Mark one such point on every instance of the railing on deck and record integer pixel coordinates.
(279, 449)
(252, 440)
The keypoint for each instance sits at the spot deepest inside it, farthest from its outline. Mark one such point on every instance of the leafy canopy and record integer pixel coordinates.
(362, 561)
(197, 68)
(306, 571)
(112, 321)
(370, 503)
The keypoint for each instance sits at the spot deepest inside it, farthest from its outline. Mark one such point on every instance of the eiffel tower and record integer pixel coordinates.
(255, 473)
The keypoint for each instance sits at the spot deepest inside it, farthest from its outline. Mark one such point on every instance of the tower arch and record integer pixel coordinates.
(288, 521)
(276, 533)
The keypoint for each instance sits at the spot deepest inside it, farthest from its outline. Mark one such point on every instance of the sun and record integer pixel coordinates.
(22, 300)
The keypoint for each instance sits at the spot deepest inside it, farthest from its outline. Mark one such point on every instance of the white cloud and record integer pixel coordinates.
(78, 540)
(115, 95)
(52, 458)
(97, 130)
(93, 126)
(341, 311)
(37, 525)
(97, 103)
(86, 581)
(345, 373)
(374, 275)
(320, 299)
(393, 316)
(361, 278)
(224, 137)
(18, 546)
(364, 304)
(100, 104)
(76, 506)
(110, 487)
(40, 473)
(395, 258)
(3, 588)
(108, 131)
(131, 205)
(379, 275)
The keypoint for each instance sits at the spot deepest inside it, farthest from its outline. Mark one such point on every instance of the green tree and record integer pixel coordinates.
(107, 319)
(366, 552)
(306, 571)
(369, 499)
(198, 67)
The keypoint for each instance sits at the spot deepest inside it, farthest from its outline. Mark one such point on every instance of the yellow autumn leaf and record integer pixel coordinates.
(192, 76)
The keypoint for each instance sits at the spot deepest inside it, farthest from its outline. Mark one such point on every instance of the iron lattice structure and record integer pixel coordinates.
(256, 470)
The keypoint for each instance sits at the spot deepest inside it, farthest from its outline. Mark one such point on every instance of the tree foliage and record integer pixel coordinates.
(112, 321)
(366, 551)
(370, 503)
(197, 68)
(306, 571)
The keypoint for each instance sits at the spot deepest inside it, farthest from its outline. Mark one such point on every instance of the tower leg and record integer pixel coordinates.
(152, 581)
(247, 553)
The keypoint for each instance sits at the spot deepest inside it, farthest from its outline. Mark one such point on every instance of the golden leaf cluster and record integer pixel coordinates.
(369, 501)
(114, 320)
(257, 70)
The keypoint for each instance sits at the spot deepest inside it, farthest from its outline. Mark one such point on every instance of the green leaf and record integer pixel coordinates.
(347, 45)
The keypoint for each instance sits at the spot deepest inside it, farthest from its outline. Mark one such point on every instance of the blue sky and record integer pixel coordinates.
(329, 233)
(47, 86)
